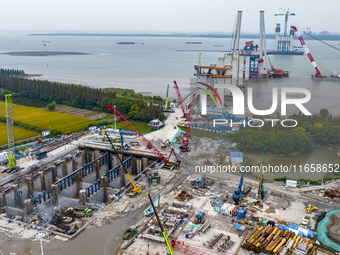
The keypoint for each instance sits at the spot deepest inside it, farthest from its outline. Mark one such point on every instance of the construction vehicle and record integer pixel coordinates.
(130, 232)
(200, 218)
(154, 178)
(261, 192)
(165, 235)
(82, 213)
(118, 143)
(199, 181)
(148, 211)
(140, 136)
(305, 221)
(135, 189)
(164, 145)
(239, 193)
(311, 208)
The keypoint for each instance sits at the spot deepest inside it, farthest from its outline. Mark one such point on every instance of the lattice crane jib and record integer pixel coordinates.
(10, 131)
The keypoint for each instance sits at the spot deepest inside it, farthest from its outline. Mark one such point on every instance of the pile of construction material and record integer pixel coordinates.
(221, 242)
(333, 194)
(273, 240)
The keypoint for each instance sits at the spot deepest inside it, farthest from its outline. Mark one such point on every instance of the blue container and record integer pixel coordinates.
(186, 235)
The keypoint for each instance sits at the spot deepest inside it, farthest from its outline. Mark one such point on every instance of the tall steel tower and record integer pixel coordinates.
(10, 131)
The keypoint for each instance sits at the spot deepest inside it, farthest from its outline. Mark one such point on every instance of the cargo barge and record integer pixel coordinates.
(125, 43)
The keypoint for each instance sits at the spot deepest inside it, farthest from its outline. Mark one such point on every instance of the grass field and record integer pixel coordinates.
(46, 119)
(19, 133)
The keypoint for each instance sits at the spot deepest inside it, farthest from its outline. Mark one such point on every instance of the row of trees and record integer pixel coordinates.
(12, 72)
(67, 92)
(140, 96)
(137, 110)
(281, 142)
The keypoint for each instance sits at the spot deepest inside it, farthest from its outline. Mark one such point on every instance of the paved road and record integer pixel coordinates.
(95, 240)
(168, 132)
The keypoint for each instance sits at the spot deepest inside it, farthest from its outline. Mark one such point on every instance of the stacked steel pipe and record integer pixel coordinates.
(272, 240)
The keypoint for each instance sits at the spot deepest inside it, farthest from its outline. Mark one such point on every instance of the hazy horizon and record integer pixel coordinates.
(190, 16)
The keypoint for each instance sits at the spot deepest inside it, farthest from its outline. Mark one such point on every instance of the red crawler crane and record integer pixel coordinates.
(143, 140)
(309, 55)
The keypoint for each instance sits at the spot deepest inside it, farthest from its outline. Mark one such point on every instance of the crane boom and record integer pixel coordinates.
(167, 97)
(309, 55)
(165, 235)
(145, 141)
(179, 98)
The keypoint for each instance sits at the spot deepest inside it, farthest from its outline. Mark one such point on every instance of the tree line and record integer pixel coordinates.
(67, 92)
(83, 97)
(12, 72)
(280, 142)
(322, 127)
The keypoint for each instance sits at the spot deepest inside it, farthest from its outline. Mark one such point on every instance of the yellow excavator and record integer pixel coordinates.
(134, 189)
(163, 145)
(311, 208)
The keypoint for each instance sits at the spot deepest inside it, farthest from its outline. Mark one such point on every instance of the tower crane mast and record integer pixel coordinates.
(10, 131)
(309, 55)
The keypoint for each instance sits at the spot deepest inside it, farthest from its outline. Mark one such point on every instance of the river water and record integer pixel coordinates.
(149, 67)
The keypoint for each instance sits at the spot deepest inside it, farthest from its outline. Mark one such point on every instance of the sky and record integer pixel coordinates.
(164, 16)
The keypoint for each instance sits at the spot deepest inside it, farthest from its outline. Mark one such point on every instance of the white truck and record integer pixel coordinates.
(227, 209)
(305, 221)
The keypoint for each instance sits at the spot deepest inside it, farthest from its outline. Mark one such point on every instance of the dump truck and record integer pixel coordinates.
(83, 213)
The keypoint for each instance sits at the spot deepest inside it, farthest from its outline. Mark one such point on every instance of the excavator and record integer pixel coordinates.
(311, 208)
(134, 189)
(164, 145)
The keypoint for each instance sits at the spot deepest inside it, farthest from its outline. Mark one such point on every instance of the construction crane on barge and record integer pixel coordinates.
(140, 136)
(286, 14)
(309, 55)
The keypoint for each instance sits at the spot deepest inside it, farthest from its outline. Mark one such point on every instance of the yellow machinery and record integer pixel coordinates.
(163, 145)
(311, 208)
(135, 189)
(10, 132)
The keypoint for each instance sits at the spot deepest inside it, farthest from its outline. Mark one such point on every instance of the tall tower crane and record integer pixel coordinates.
(309, 55)
(286, 14)
(10, 131)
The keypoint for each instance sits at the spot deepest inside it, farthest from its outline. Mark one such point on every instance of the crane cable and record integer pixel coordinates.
(322, 41)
